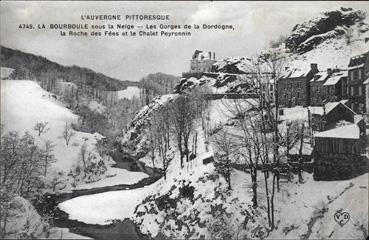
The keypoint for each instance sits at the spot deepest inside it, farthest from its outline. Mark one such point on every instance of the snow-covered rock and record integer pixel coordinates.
(134, 140)
(330, 24)
(23, 221)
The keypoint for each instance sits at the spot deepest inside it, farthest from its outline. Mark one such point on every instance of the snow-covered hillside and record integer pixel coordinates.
(188, 202)
(24, 103)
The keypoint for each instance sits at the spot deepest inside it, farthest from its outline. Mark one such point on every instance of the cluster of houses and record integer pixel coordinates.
(337, 101)
(314, 88)
(338, 104)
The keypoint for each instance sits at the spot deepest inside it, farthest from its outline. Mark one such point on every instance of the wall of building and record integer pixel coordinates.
(292, 92)
(204, 65)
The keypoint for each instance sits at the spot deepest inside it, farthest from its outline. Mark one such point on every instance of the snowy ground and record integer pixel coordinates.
(115, 176)
(64, 233)
(309, 198)
(129, 93)
(103, 207)
(24, 103)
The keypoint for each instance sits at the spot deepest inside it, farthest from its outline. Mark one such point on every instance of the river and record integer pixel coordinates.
(125, 229)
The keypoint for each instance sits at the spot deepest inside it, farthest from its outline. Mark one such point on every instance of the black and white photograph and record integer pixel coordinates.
(207, 120)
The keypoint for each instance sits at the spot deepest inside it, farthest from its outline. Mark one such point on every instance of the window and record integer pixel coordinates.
(360, 91)
(298, 94)
(361, 107)
(359, 74)
(351, 78)
(356, 74)
(352, 91)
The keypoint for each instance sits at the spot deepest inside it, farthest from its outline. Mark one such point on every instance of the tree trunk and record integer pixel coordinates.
(254, 186)
(267, 196)
(300, 153)
(272, 201)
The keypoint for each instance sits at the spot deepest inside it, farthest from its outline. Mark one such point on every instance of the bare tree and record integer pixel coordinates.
(248, 134)
(225, 144)
(40, 127)
(182, 117)
(83, 154)
(47, 155)
(161, 129)
(67, 133)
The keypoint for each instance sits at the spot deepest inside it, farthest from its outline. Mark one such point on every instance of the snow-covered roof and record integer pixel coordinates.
(366, 81)
(295, 73)
(335, 78)
(329, 106)
(356, 66)
(357, 61)
(322, 76)
(351, 131)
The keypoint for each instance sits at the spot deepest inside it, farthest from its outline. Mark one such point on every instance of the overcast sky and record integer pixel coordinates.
(256, 23)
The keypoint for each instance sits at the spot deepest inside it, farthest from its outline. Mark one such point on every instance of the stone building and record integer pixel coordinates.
(328, 86)
(294, 87)
(358, 73)
(202, 61)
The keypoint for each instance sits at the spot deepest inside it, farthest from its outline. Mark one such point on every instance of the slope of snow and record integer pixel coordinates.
(129, 93)
(24, 103)
(308, 200)
(115, 176)
(351, 131)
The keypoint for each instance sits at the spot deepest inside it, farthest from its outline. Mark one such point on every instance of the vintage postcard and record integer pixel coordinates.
(184, 120)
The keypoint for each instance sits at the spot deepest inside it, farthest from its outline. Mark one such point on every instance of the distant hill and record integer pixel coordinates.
(155, 84)
(29, 66)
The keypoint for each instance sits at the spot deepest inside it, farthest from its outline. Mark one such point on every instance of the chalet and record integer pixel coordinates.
(328, 86)
(340, 153)
(202, 61)
(294, 86)
(358, 73)
(330, 115)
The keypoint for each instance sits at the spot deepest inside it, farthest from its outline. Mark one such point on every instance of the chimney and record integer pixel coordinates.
(314, 67)
(214, 55)
(209, 55)
(329, 71)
